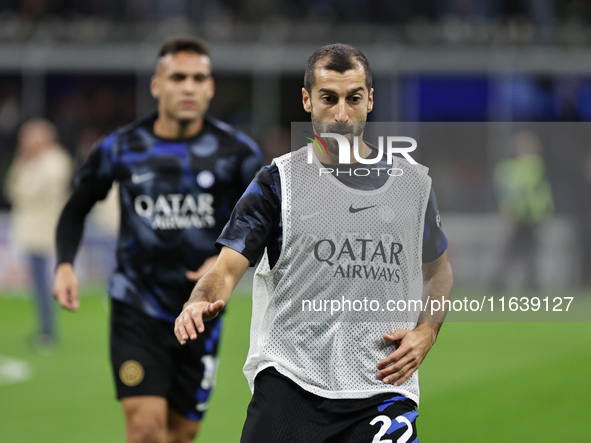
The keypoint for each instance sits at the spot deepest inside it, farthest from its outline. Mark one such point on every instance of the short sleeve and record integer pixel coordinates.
(434, 240)
(255, 223)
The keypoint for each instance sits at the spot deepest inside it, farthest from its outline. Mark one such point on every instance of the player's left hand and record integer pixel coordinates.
(412, 349)
(206, 266)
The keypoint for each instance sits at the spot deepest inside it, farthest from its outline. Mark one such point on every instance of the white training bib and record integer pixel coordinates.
(358, 251)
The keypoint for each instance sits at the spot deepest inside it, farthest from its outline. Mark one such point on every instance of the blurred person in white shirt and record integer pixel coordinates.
(37, 185)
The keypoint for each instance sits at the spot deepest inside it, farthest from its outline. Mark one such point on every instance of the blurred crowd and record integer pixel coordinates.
(380, 11)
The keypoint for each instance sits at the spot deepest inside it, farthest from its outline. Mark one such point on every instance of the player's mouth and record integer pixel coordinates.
(188, 104)
(347, 134)
(342, 129)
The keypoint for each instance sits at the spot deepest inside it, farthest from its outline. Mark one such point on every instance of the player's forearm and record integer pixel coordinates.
(437, 287)
(69, 234)
(219, 282)
(213, 286)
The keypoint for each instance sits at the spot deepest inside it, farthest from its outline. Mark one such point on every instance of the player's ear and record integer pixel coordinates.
(370, 101)
(306, 100)
(155, 87)
(211, 90)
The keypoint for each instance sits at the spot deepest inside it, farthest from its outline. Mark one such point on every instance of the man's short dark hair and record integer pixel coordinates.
(183, 44)
(340, 58)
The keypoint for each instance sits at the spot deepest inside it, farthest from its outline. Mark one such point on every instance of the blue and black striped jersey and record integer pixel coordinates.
(175, 197)
(256, 221)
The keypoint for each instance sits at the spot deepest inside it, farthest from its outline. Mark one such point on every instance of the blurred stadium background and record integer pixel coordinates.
(86, 66)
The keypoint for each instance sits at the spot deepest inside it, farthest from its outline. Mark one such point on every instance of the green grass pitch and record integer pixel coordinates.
(482, 382)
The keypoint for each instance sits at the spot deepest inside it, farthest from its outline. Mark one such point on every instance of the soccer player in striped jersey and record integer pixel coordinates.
(180, 173)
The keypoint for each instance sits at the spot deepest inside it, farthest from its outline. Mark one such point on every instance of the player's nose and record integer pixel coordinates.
(189, 86)
(341, 112)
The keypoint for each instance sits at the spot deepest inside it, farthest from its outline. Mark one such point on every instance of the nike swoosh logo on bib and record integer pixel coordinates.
(353, 210)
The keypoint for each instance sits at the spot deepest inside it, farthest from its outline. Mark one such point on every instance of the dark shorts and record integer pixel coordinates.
(281, 411)
(147, 359)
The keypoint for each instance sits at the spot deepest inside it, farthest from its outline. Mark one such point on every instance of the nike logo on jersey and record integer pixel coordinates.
(353, 210)
(140, 178)
(306, 217)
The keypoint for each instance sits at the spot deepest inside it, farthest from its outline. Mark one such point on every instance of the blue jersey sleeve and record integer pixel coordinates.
(434, 240)
(97, 172)
(92, 184)
(255, 223)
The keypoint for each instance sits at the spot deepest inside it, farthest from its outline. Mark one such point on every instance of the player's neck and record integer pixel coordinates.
(176, 130)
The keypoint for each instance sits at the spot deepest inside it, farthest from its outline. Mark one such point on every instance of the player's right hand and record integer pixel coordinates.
(65, 287)
(190, 321)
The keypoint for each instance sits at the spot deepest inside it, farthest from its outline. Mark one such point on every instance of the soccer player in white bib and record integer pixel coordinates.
(344, 259)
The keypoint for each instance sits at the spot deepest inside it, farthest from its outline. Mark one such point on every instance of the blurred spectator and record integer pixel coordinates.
(38, 186)
(525, 199)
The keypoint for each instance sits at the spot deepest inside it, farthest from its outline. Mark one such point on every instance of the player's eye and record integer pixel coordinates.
(328, 99)
(355, 99)
(200, 78)
(178, 77)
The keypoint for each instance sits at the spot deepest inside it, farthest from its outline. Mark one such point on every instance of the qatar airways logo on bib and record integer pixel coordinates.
(176, 211)
(361, 258)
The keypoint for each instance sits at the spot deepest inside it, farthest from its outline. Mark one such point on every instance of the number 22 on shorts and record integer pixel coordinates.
(386, 423)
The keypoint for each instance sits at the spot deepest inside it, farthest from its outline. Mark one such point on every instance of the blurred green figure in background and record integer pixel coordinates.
(525, 199)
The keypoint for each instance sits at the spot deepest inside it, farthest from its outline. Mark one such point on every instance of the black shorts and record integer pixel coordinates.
(281, 411)
(147, 359)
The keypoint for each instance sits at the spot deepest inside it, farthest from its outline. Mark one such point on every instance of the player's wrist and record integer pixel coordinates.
(430, 329)
(195, 302)
(64, 266)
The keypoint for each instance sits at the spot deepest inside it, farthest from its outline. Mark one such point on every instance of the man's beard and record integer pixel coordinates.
(348, 129)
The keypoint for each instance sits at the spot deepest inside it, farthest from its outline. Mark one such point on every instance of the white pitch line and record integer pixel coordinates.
(13, 370)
